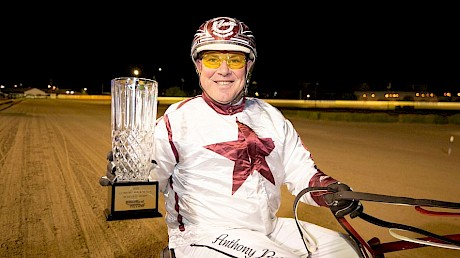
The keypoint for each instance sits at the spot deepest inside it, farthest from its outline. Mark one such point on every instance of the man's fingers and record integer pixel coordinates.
(110, 156)
(110, 171)
(104, 181)
(111, 168)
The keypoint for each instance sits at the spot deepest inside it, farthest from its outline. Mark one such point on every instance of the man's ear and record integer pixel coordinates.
(198, 65)
(250, 63)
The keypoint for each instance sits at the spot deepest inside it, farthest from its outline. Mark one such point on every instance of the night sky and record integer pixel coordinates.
(336, 46)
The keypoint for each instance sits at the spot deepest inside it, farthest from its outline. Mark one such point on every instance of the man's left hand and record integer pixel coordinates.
(341, 208)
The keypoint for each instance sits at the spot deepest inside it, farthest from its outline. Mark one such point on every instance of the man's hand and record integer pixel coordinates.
(341, 208)
(110, 176)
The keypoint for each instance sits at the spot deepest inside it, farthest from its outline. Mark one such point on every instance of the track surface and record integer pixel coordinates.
(52, 153)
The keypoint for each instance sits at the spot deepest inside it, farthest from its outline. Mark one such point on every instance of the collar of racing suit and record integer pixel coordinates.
(225, 109)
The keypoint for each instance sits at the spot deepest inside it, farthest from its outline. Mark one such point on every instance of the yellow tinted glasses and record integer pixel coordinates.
(213, 60)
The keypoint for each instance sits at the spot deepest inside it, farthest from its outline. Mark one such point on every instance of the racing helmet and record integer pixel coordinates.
(224, 33)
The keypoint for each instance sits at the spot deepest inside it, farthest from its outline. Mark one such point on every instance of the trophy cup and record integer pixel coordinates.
(134, 109)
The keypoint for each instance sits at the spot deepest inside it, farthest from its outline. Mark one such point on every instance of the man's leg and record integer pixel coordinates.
(234, 243)
(329, 243)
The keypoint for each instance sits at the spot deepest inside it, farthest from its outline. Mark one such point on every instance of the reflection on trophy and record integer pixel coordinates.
(134, 109)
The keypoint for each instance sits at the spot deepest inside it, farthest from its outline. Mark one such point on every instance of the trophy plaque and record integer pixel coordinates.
(133, 194)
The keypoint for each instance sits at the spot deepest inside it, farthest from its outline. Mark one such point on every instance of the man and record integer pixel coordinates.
(222, 158)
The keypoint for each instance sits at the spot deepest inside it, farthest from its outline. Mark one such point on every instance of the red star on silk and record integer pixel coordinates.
(248, 153)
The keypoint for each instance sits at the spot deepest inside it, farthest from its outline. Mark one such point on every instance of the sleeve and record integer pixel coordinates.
(166, 155)
(301, 170)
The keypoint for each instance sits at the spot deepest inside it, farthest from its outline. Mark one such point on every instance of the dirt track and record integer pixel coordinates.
(52, 153)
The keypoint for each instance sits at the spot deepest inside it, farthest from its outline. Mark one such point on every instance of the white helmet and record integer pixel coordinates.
(224, 33)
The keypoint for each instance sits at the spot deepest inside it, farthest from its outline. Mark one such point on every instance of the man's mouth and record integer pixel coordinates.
(224, 83)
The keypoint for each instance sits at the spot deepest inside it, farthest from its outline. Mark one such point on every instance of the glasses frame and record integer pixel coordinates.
(220, 55)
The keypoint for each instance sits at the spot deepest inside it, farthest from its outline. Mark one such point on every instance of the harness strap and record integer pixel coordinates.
(351, 195)
(392, 225)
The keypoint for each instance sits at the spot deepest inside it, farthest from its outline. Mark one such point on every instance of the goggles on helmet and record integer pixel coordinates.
(214, 59)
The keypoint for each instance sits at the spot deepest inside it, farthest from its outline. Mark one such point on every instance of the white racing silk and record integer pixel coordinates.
(223, 167)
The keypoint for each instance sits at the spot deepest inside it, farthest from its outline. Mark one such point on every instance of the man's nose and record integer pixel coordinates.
(223, 68)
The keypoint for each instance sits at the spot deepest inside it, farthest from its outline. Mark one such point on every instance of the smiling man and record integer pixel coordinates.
(222, 158)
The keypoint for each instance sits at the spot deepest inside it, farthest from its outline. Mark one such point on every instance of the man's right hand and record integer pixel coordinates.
(110, 176)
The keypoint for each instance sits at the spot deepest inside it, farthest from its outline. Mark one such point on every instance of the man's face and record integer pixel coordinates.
(223, 74)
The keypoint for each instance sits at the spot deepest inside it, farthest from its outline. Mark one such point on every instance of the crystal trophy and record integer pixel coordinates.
(133, 194)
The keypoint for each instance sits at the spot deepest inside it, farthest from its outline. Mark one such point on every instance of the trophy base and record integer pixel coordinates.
(132, 200)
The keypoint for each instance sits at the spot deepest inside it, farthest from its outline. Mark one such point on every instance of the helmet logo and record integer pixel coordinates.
(223, 28)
